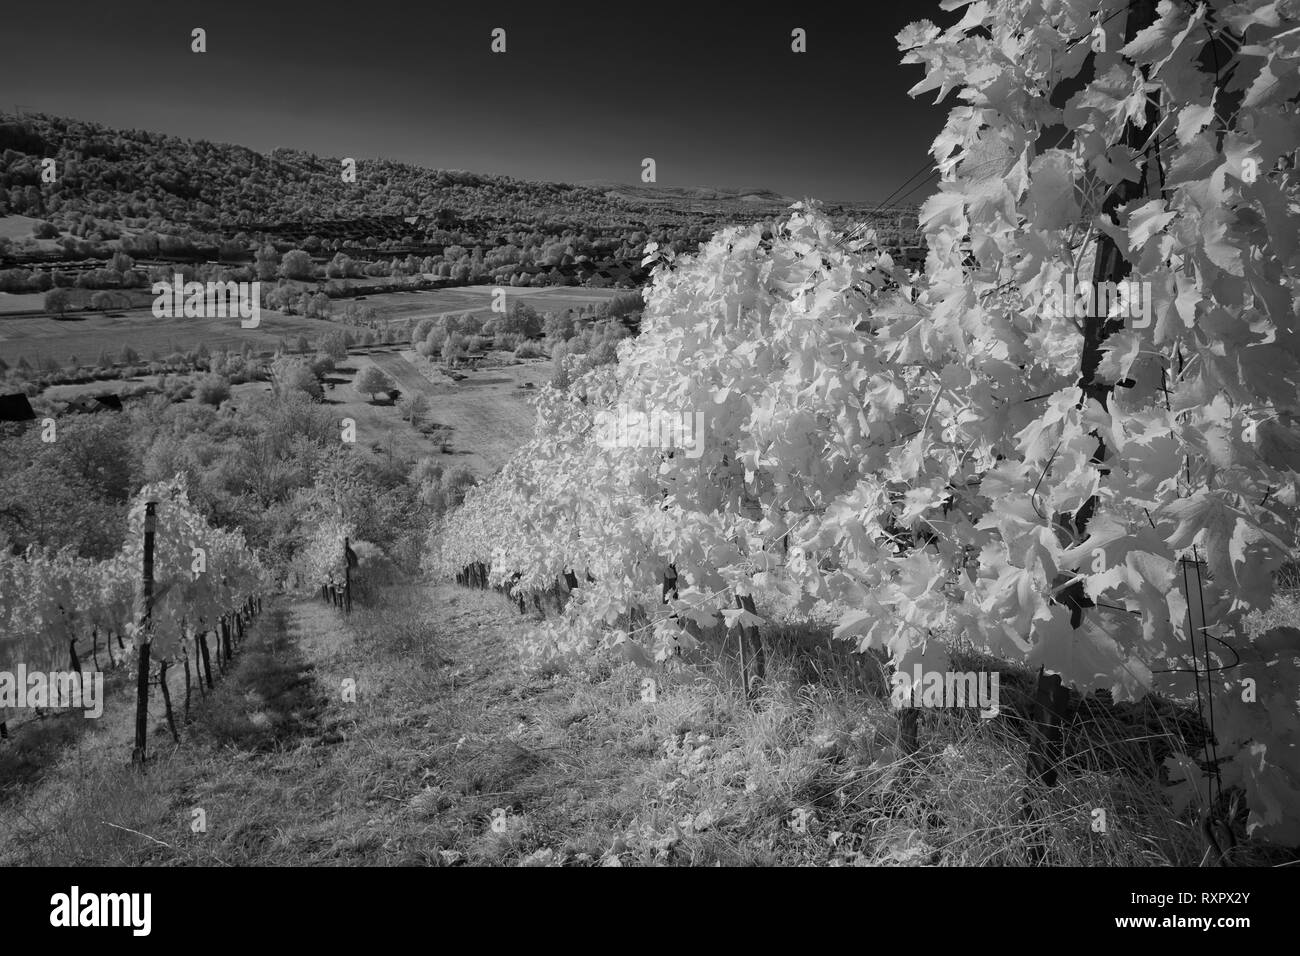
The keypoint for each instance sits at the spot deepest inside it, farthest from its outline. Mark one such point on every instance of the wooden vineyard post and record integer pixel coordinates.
(185, 651)
(1051, 701)
(1046, 747)
(909, 736)
(198, 667)
(753, 660)
(167, 699)
(142, 674)
(349, 559)
(207, 661)
(225, 637)
(76, 669)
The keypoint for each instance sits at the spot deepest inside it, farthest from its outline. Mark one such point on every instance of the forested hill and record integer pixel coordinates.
(119, 174)
(188, 187)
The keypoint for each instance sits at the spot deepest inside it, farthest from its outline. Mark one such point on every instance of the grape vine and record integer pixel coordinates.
(953, 451)
(50, 599)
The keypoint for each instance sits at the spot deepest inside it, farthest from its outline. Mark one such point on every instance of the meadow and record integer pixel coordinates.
(85, 335)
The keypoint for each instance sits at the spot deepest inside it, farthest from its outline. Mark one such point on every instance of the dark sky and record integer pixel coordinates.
(709, 89)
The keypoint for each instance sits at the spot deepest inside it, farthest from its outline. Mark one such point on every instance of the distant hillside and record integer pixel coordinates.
(157, 196)
(123, 174)
(655, 193)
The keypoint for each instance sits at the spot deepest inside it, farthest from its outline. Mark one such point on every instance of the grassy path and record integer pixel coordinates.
(287, 769)
(411, 735)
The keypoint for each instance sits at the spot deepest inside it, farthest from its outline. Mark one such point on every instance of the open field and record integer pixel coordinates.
(17, 227)
(489, 412)
(21, 302)
(85, 336)
(485, 417)
(478, 299)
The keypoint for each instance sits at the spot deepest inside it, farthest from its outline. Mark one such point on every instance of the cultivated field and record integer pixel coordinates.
(85, 336)
(478, 299)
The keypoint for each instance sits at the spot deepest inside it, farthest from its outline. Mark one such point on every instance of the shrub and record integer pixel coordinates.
(296, 264)
(295, 375)
(213, 389)
(322, 364)
(453, 349)
(422, 330)
(335, 346)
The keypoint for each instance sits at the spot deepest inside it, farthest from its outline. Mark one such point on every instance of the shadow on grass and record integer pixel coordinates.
(268, 699)
(32, 748)
(489, 381)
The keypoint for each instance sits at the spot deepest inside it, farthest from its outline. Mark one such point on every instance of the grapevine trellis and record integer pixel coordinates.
(327, 561)
(175, 581)
(954, 452)
(339, 594)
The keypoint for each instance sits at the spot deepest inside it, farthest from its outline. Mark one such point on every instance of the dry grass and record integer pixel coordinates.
(453, 755)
